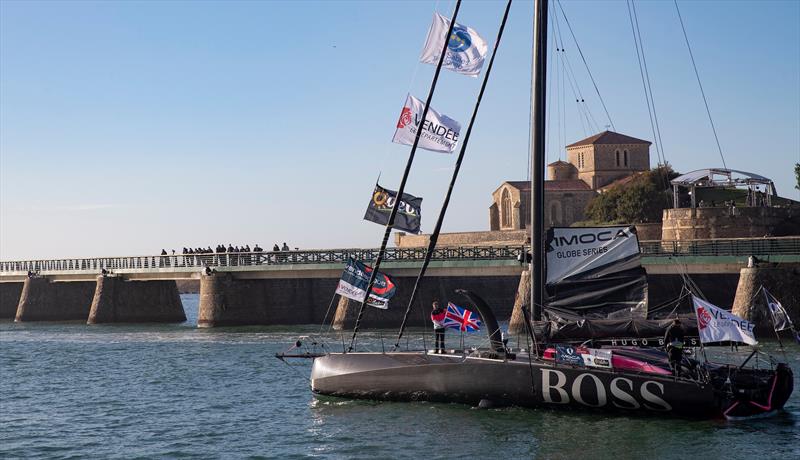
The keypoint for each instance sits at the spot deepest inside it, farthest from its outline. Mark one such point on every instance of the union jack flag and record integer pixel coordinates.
(461, 319)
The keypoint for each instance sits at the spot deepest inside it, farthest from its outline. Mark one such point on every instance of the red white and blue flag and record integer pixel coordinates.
(461, 319)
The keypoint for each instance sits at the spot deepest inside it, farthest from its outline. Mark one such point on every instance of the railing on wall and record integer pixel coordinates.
(184, 262)
(248, 259)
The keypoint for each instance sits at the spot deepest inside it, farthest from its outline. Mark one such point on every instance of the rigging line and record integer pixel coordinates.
(435, 234)
(321, 326)
(644, 85)
(548, 143)
(699, 83)
(571, 73)
(586, 64)
(401, 189)
(649, 86)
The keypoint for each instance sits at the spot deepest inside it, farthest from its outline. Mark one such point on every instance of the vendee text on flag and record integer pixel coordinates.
(439, 132)
(466, 50)
(717, 325)
(354, 282)
(409, 212)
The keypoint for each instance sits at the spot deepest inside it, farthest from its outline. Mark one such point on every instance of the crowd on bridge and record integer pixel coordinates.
(221, 255)
(221, 248)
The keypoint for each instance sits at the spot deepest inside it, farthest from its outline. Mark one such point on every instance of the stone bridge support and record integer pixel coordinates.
(782, 281)
(229, 301)
(119, 301)
(516, 325)
(43, 300)
(9, 299)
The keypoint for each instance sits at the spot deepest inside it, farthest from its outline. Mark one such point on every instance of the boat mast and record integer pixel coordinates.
(537, 155)
(376, 265)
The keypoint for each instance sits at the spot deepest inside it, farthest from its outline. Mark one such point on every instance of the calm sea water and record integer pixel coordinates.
(150, 391)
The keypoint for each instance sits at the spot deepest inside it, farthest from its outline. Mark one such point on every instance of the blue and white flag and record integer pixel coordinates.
(466, 49)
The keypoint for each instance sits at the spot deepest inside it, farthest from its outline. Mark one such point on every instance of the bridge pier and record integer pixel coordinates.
(780, 281)
(229, 301)
(117, 300)
(516, 325)
(9, 299)
(42, 300)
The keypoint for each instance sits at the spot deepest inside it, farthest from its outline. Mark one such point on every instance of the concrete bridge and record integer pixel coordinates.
(295, 287)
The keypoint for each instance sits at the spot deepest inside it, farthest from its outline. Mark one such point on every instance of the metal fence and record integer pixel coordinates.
(188, 262)
(741, 247)
(180, 262)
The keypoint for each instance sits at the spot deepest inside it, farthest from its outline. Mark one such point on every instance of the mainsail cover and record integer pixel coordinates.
(595, 272)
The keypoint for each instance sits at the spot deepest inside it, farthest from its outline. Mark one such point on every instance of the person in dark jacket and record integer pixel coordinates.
(437, 317)
(673, 342)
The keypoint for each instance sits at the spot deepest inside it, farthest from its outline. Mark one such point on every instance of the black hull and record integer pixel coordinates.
(453, 378)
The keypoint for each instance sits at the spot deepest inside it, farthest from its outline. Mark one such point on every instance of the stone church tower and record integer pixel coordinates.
(594, 163)
(603, 158)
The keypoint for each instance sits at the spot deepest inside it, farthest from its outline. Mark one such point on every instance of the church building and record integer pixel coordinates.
(593, 164)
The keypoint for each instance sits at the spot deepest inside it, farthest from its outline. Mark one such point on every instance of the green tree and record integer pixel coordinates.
(642, 199)
(797, 175)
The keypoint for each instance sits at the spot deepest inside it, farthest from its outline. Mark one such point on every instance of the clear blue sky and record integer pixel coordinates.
(130, 126)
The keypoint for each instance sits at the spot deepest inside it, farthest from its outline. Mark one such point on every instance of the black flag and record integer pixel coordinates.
(408, 214)
(780, 317)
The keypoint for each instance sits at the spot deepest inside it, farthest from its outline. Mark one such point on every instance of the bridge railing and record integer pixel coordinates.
(189, 262)
(741, 247)
(181, 262)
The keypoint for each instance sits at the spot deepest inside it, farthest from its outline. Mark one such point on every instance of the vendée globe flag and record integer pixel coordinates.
(718, 325)
(466, 50)
(355, 279)
(439, 132)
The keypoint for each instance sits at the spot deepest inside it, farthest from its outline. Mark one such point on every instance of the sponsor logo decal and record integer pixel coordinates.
(405, 118)
(703, 318)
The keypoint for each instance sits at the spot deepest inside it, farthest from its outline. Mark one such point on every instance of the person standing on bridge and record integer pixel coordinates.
(437, 317)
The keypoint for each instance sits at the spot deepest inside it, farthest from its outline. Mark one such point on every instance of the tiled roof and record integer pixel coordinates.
(609, 137)
(555, 185)
(566, 185)
(621, 181)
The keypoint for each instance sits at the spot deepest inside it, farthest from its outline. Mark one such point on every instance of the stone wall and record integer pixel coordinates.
(649, 232)
(119, 301)
(744, 222)
(564, 208)
(490, 238)
(42, 300)
(9, 299)
(226, 301)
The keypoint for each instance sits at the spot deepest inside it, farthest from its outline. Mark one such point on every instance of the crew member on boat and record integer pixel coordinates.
(437, 316)
(673, 342)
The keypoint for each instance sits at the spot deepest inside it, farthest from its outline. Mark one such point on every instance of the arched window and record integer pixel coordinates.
(617, 152)
(505, 209)
(626, 157)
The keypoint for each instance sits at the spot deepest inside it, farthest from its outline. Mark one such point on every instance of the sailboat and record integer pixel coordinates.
(620, 379)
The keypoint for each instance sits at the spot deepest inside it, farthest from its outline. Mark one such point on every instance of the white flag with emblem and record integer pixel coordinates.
(466, 50)
(439, 132)
(718, 325)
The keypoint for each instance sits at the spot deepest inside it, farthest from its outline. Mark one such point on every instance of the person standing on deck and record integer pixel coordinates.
(437, 316)
(673, 342)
